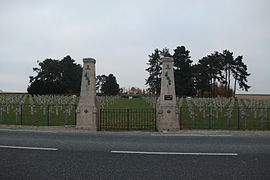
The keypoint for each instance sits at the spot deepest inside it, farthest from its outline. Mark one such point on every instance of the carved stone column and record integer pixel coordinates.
(87, 110)
(167, 109)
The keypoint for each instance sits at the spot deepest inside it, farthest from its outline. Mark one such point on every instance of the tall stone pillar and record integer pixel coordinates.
(87, 110)
(167, 109)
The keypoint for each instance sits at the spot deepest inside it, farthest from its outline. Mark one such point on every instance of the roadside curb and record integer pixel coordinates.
(73, 129)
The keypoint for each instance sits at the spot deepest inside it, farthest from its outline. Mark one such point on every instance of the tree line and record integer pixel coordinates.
(64, 77)
(217, 74)
(212, 76)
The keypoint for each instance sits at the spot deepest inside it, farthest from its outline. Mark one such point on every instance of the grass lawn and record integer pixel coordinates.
(125, 103)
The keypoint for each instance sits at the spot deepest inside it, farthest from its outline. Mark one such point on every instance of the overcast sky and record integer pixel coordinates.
(120, 34)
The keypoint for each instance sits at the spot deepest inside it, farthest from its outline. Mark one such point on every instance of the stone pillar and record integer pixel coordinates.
(167, 109)
(87, 110)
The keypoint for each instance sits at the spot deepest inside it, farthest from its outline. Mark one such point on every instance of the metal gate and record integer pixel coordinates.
(127, 119)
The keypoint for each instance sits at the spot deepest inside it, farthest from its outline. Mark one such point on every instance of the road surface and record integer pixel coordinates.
(34, 154)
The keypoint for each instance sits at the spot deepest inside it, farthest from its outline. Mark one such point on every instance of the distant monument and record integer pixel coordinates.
(167, 109)
(88, 109)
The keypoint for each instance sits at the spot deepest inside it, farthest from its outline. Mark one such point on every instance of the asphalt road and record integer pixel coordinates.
(34, 154)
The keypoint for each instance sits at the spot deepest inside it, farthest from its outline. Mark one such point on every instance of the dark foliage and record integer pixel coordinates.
(56, 77)
(183, 70)
(212, 76)
(109, 87)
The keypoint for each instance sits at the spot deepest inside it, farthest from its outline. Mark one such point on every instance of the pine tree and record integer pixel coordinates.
(154, 70)
(228, 66)
(209, 72)
(240, 74)
(183, 70)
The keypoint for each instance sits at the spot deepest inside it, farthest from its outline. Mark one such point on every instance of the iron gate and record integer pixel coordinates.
(127, 119)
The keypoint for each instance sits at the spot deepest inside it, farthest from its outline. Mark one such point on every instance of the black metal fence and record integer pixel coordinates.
(138, 119)
(127, 119)
(38, 115)
(225, 118)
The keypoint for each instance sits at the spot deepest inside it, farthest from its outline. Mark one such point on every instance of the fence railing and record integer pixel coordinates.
(237, 118)
(127, 119)
(38, 115)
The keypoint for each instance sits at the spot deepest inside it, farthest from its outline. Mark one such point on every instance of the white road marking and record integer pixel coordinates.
(26, 130)
(199, 135)
(30, 148)
(175, 153)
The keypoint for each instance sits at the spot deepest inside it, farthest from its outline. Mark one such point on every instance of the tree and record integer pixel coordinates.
(154, 70)
(234, 67)
(228, 66)
(71, 75)
(214, 70)
(165, 53)
(208, 74)
(183, 70)
(240, 74)
(110, 86)
(100, 80)
(56, 77)
(212, 75)
(201, 79)
(184, 79)
(217, 71)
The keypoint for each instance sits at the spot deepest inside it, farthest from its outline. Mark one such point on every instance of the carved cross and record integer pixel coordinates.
(168, 67)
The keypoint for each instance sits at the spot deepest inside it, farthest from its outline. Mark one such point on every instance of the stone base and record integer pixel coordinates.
(87, 117)
(89, 128)
(168, 118)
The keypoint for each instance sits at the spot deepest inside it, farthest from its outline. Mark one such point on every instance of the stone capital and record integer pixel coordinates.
(89, 60)
(167, 59)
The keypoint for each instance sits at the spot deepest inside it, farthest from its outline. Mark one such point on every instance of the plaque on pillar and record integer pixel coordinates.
(168, 97)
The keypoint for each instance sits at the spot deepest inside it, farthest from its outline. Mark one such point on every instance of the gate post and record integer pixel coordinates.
(87, 110)
(167, 109)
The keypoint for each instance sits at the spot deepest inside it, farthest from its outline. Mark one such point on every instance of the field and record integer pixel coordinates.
(137, 113)
(221, 113)
(254, 96)
(38, 110)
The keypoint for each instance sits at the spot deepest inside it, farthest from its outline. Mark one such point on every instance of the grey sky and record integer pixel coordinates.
(120, 34)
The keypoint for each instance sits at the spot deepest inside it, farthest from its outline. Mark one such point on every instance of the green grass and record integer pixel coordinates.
(125, 103)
